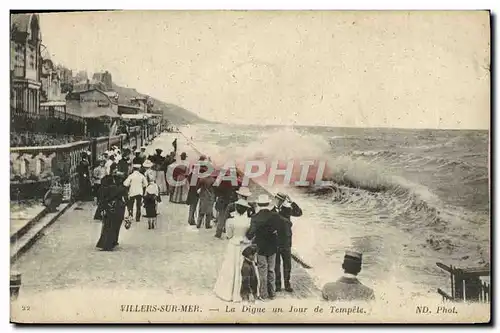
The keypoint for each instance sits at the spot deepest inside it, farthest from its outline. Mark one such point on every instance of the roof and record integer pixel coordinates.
(21, 21)
(75, 95)
(91, 111)
(20, 25)
(111, 93)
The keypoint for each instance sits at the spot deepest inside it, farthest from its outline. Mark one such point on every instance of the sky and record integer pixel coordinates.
(359, 69)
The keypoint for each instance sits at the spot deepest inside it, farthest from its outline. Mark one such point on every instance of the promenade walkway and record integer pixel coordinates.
(176, 258)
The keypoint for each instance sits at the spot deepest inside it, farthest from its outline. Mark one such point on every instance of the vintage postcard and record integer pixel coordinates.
(250, 167)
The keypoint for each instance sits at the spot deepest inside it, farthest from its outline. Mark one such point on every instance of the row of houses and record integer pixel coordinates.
(39, 88)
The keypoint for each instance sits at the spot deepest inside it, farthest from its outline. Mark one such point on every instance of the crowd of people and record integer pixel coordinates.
(260, 243)
(258, 229)
(29, 139)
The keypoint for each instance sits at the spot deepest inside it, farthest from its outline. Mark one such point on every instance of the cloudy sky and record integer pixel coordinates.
(367, 69)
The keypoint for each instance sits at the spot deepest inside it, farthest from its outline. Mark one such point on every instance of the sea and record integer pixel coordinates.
(405, 198)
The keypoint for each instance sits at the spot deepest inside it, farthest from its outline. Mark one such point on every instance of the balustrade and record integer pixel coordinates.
(32, 168)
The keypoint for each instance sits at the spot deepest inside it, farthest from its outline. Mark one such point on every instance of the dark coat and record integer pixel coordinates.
(193, 196)
(138, 160)
(231, 208)
(294, 211)
(285, 233)
(112, 202)
(249, 280)
(264, 227)
(123, 166)
(158, 161)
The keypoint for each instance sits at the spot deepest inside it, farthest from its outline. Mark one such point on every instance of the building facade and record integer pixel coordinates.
(91, 103)
(105, 78)
(141, 103)
(51, 83)
(25, 64)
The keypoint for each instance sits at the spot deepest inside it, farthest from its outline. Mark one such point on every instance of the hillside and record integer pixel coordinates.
(174, 113)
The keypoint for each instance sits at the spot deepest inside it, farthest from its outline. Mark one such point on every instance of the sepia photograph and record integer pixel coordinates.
(250, 167)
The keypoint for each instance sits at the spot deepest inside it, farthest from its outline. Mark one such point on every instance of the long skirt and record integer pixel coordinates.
(228, 284)
(110, 230)
(161, 182)
(85, 189)
(180, 193)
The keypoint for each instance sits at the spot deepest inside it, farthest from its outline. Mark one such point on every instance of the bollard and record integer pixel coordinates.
(15, 285)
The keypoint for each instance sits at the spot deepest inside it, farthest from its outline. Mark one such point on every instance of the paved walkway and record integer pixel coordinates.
(22, 213)
(175, 258)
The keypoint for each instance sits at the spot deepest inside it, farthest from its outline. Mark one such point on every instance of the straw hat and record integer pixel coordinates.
(263, 200)
(242, 202)
(281, 196)
(147, 164)
(244, 191)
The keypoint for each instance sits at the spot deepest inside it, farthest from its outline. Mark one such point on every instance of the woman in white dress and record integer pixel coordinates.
(228, 283)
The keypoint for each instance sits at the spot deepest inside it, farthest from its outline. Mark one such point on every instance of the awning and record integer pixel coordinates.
(140, 116)
(53, 103)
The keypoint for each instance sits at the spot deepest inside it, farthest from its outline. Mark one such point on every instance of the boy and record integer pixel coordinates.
(249, 277)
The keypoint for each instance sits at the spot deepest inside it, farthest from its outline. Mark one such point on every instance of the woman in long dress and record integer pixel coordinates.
(179, 174)
(112, 196)
(228, 285)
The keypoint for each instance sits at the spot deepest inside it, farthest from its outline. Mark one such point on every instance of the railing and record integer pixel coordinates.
(31, 168)
(466, 284)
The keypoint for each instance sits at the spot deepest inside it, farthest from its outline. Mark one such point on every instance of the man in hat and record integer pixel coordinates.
(137, 159)
(136, 183)
(193, 196)
(242, 193)
(143, 153)
(174, 144)
(159, 166)
(284, 253)
(348, 287)
(281, 198)
(109, 163)
(263, 231)
(124, 165)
